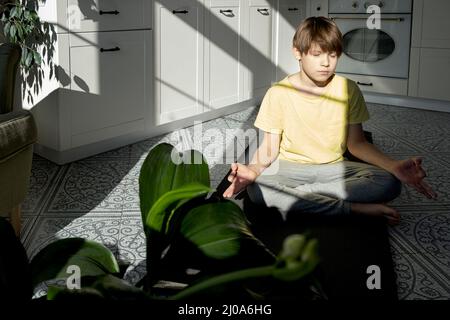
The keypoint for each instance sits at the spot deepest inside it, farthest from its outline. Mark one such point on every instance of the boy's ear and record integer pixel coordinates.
(297, 54)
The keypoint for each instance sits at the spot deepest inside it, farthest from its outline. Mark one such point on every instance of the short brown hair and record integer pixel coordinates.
(320, 30)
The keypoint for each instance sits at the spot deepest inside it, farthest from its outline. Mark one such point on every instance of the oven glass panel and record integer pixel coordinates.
(368, 45)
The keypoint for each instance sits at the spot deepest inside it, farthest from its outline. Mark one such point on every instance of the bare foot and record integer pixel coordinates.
(377, 209)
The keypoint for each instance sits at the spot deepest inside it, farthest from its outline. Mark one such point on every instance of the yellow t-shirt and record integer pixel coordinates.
(313, 128)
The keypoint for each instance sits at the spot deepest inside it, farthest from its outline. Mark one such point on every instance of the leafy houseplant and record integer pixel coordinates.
(22, 26)
(191, 230)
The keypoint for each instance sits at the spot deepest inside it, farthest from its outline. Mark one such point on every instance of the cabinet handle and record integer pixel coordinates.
(370, 84)
(101, 12)
(292, 9)
(264, 12)
(180, 11)
(109, 50)
(227, 13)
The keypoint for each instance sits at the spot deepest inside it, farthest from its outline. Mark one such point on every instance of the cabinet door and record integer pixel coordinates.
(434, 74)
(178, 60)
(259, 47)
(290, 15)
(223, 71)
(435, 23)
(109, 79)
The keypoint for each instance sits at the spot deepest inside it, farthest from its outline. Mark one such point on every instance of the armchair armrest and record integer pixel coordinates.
(17, 131)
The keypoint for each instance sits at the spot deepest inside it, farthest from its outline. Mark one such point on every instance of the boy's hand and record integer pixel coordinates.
(240, 177)
(411, 172)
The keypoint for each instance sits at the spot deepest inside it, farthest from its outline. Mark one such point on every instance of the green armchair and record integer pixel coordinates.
(18, 133)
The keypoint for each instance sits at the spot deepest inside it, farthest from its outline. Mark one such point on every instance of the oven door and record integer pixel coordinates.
(383, 52)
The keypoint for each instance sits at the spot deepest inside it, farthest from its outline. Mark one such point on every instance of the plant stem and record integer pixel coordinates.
(225, 278)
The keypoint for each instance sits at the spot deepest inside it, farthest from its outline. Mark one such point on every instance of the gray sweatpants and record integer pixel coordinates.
(325, 188)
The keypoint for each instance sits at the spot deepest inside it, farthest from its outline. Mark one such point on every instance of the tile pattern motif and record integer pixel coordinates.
(98, 199)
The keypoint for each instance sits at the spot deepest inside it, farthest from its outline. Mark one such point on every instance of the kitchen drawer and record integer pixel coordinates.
(379, 84)
(108, 15)
(108, 88)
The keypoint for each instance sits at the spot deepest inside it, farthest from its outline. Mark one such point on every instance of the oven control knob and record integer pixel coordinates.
(355, 5)
(381, 4)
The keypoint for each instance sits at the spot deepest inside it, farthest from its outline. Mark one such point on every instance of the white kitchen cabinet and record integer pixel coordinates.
(260, 64)
(433, 74)
(109, 83)
(103, 63)
(290, 14)
(178, 61)
(430, 52)
(431, 24)
(223, 70)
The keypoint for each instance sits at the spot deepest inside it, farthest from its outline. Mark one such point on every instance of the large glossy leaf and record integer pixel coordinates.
(218, 229)
(166, 169)
(160, 216)
(91, 257)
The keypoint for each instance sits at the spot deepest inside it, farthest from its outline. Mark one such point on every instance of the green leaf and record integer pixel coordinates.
(160, 215)
(29, 59)
(37, 58)
(12, 31)
(27, 15)
(13, 12)
(6, 28)
(218, 229)
(165, 169)
(91, 257)
(19, 31)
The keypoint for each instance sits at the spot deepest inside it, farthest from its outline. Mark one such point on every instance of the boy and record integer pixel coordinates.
(309, 119)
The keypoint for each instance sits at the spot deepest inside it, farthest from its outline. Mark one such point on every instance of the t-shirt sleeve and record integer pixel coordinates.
(358, 112)
(270, 115)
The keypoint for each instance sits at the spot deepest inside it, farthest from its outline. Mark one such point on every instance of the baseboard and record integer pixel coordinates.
(407, 102)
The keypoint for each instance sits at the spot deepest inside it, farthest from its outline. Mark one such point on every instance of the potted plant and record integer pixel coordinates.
(204, 232)
(21, 26)
(22, 31)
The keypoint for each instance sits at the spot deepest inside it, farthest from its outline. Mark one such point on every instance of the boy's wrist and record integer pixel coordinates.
(257, 168)
(390, 167)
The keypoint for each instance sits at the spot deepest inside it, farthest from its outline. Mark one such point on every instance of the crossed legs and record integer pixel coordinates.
(339, 188)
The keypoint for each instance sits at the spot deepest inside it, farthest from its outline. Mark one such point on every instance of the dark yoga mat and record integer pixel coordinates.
(348, 245)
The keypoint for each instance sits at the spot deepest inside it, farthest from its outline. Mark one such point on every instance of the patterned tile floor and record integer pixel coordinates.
(97, 198)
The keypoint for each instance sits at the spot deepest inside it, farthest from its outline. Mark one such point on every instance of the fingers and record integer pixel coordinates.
(425, 189)
(234, 169)
(421, 189)
(429, 191)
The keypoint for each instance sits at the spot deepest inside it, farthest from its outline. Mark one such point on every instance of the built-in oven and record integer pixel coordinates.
(382, 51)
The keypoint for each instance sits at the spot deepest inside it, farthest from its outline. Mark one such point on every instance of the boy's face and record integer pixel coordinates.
(317, 64)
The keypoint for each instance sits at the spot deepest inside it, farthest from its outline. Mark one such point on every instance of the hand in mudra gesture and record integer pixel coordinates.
(240, 177)
(410, 171)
